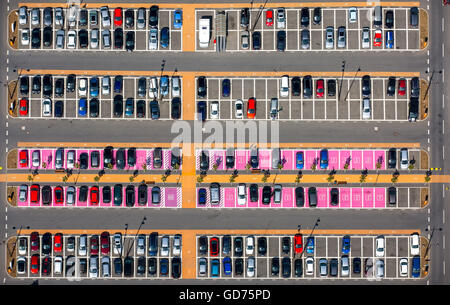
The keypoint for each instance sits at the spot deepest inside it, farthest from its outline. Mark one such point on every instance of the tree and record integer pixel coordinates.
(427, 178)
(30, 178)
(248, 166)
(298, 177)
(176, 166)
(97, 179)
(313, 166)
(411, 166)
(110, 166)
(65, 178)
(144, 166)
(200, 178)
(362, 178)
(215, 166)
(164, 178)
(44, 165)
(76, 165)
(131, 179)
(330, 178)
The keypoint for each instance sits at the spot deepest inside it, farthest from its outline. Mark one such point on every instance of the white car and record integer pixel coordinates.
(404, 267)
(379, 268)
(59, 16)
(379, 246)
(153, 87)
(242, 194)
(250, 245)
(352, 15)
(366, 110)
(414, 243)
(104, 12)
(72, 15)
(117, 243)
(94, 38)
(36, 158)
(23, 194)
(82, 87)
(57, 265)
(22, 261)
(251, 266)
(71, 39)
(329, 38)
(106, 266)
(35, 16)
(281, 18)
(105, 85)
(345, 266)
(176, 245)
(22, 244)
(239, 109)
(165, 246)
(245, 40)
(70, 159)
(284, 86)
(82, 245)
(23, 15)
(309, 265)
(176, 86)
(93, 266)
(140, 244)
(214, 113)
(47, 107)
(25, 37)
(60, 37)
(140, 20)
(153, 39)
(365, 39)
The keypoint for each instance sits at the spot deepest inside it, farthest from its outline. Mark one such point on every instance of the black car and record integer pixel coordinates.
(392, 158)
(59, 109)
(415, 87)
(304, 17)
(299, 196)
(130, 196)
(317, 15)
(389, 19)
(229, 161)
(331, 86)
(226, 86)
(142, 194)
(262, 246)
(334, 196)
(281, 41)
(118, 106)
(238, 246)
(128, 266)
(201, 111)
(239, 266)
(46, 195)
(154, 110)
(120, 158)
(131, 156)
(176, 108)
(226, 244)
(140, 270)
(24, 85)
(36, 85)
(108, 156)
(254, 158)
(392, 195)
(117, 266)
(413, 108)
(176, 267)
(142, 87)
(414, 16)
(71, 83)
(390, 90)
(296, 84)
(153, 20)
(46, 243)
(266, 194)
(46, 265)
(286, 244)
(129, 18)
(275, 269)
(140, 109)
(106, 194)
(312, 196)
(175, 158)
(118, 83)
(333, 267)
(83, 17)
(286, 267)
(59, 87)
(94, 106)
(164, 37)
(47, 36)
(356, 265)
(307, 86)
(152, 266)
(256, 40)
(47, 85)
(254, 193)
(366, 86)
(204, 161)
(129, 43)
(201, 86)
(118, 194)
(202, 245)
(36, 38)
(118, 38)
(84, 160)
(83, 38)
(82, 196)
(164, 267)
(157, 157)
(298, 267)
(95, 158)
(245, 17)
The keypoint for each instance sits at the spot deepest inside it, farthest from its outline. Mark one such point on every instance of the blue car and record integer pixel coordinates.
(324, 158)
(164, 85)
(118, 82)
(389, 39)
(310, 245)
(202, 196)
(226, 88)
(164, 37)
(201, 111)
(227, 266)
(129, 106)
(299, 160)
(178, 19)
(215, 268)
(93, 87)
(82, 107)
(415, 272)
(346, 244)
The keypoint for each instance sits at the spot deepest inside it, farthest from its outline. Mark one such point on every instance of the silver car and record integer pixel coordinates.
(106, 38)
(202, 266)
(70, 195)
(36, 158)
(141, 18)
(35, 16)
(60, 37)
(281, 18)
(48, 16)
(94, 38)
(379, 268)
(59, 16)
(117, 243)
(341, 37)
(165, 246)
(106, 267)
(153, 39)
(23, 15)
(140, 244)
(93, 266)
(245, 41)
(305, 39)
(323, 267)
(329, 40)
(176, 245)
(104, 12)
(365, 39)
(345, 266)
(23, 193)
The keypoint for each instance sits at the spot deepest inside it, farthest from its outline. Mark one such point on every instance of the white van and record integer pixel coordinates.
(404, 158)
(204, 35)
(284, 87)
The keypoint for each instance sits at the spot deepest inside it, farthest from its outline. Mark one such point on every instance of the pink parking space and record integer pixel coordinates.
(27, 202)
(47, 156)
(356, 162)
(103, 205)
(241, 159)
(141, 158)
(217, 157)
(167, 157)
(368, 160)
(333, 159)
(78, 203)
(265, 158)
(344, 155)
(380, 156)
(172, 197)
(306, 197)
(380, 197)
(149, 159)
(344, 200)
(368, 197)
(230, 200)
(322, 197)
(357, 197)
(288, 157)
(287, 199)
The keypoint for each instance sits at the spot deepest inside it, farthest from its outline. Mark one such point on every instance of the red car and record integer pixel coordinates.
(377, 39)
(251, 108)
(34, 266)
(46, 265)
(298, 243)
(23, 107)
(34, 193)
(58, 242)
(320, 88)
(59, 195)
(269, 17)
(94, 245)
(34, 241)
(94, 195)
(104, 243)
(118, 16)
(214, 246)
(23, 158)
(401, 86)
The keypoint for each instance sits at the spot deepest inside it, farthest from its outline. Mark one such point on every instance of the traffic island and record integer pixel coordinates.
(423, 100)
(425, 256)
(424, 160)
(11, 258)
(424, 196)
(12, 98)
(11, 159)
(13, 29)
(423, 17)
(11, 193)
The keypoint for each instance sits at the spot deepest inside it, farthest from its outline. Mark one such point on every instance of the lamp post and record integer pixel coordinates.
(342, 79)
(429, 242)
(351, 84)
(261, 8)
(124, 239)
(429, 83)
(137, 232)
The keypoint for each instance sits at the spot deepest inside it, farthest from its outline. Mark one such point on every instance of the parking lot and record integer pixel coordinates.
(128, 91)
(77, 266)
(349, 198)
(406, 38)
(347, 106)
(141, 35)
(325, 246)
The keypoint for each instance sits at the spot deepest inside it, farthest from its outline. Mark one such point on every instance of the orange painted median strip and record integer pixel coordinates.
(188, 177)
(94, 144)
